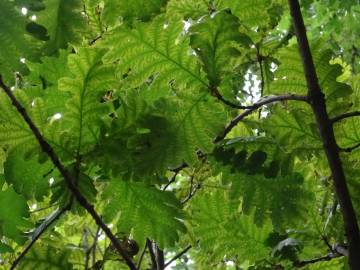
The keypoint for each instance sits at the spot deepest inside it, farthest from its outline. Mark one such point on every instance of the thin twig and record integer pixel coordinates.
(260, 59)
(254, 107)
(39, 232)
(215, 92)
(177, 256)
(94, 245)
(68, 178)
(176, 172)
(328, 257)
(345, 115)
(141, 257)
(349, 149)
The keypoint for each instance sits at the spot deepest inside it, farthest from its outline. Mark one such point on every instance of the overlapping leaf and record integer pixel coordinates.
(225, 233)
(144, 211)
(57, 16)
(28, 176)
(215, 39)
(155, 49)
(289, 77)
(14, 43)
(46, 258)
(89, 83)
(13, 212)
(143, 10)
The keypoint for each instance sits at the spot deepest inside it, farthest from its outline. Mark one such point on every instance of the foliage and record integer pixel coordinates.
(132, 94)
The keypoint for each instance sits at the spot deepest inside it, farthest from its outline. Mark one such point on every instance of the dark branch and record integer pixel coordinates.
(177, 256)
(344, 116)
(215, 92)
(176, 172)
(152, 253)
(39, 232)
(317, 101)
(254, 107)
(68, 178)
(141, 257)
(327, 257)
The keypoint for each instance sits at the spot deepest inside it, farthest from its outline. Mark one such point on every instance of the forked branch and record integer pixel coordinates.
(68, 178)
(254, 107)
(317, 101)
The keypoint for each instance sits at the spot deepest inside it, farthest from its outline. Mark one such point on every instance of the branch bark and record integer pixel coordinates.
(344, 116)
(68, 178)
(254, 107)
(317, 101)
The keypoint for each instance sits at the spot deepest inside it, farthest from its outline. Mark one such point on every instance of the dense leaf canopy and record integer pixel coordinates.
(186, 125)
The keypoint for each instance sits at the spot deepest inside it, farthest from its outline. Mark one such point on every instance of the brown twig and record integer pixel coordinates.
(68, 178)
(317, 101)
(254, 107)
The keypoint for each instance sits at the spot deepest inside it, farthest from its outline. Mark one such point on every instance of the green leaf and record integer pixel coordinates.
(143, 10)
(289, 77)
(13, 212)
(269, 197)
(252, 13)
(46, 258)
(14, 44)
(224, 233)
(90, 81)
(144, 211)
(293, 129)
(4, 248)
(57, 16)
(16, 131)
(186, 9)
(155, 49)
(28, 176)
(215, 39)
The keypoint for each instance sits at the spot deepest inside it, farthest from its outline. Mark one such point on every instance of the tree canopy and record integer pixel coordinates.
(179, 134)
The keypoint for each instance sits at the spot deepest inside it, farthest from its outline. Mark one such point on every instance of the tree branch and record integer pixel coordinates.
(141, 257)
(327, 257)
(39, 232)
(317, 101)
(343, 116)
(68, 178)
(254, 107)
(152, 254)
(215, 92)
(177, 256)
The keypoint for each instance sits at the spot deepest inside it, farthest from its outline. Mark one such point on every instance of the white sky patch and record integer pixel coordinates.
(22, 60)
(24, 10)
(33, 206)
(166, 25)
(51, 181)
(187, 25)
(33, 18)
(56, 116)
(101, 236)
